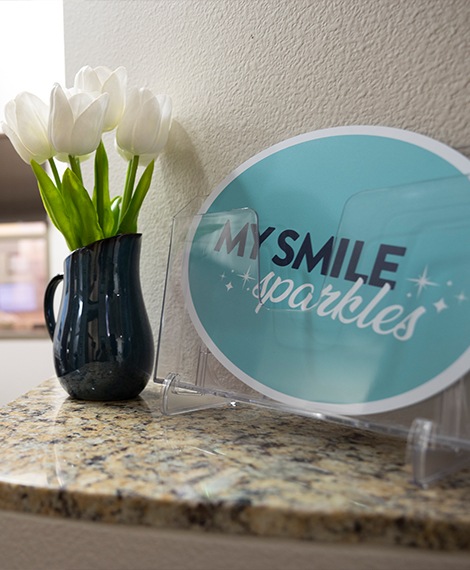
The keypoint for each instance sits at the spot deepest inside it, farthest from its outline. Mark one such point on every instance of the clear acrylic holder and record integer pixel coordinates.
(437, 429)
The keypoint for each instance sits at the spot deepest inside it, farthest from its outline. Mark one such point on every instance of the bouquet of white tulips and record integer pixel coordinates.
(70, 130)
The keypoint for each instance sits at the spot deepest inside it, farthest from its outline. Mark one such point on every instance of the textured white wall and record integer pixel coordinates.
(245, 74)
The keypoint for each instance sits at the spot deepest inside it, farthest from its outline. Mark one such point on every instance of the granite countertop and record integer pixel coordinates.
(244, 471)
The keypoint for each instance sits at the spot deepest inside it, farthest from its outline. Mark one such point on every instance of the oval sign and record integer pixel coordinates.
(352, 295)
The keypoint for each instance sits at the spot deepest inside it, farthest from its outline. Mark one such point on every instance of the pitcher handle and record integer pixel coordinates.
(49, 304)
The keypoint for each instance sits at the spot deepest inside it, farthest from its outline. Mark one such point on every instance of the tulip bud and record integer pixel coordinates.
(103, 80)
(76, 121)
(26, 119)
(145, 125)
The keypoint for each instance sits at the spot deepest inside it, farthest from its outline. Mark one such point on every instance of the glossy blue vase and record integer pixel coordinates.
(102, 340)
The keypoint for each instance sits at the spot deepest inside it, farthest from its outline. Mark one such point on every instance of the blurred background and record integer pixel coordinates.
(32, 48)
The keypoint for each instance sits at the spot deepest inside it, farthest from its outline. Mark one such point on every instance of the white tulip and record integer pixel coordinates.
(144, 127)
(26, 119)
(103, 80)
(76, 121)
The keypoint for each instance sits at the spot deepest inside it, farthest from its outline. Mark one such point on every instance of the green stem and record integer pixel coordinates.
(129, 187)
(75, 166)
(55, 172)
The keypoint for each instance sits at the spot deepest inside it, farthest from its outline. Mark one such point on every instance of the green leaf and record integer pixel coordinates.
(55, 206)
(129, 221)
(55, 172)
(129, 185)
(101, 198)
(116, 211)
(82, 211)
(74, 162)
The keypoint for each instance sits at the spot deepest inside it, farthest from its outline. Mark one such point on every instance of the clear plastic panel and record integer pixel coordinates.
(414, 219)
(181, 353)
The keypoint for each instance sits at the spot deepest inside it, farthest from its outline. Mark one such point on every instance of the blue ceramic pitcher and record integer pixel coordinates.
(102, 340)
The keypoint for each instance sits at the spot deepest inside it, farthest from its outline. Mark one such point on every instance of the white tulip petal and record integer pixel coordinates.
(133, 101)
(103, 73)
(125, 154)
(114, 85)
(88, 127)
(146, 128)
(145, 95)
(87, 80)
(62, 157)
(124, 132)
(61, 120)
(79, 79)
(165, 104)
(117, 99)
(143, 129)
(29, 103)
(146, 159)
(102, 80)
(32, 117)
(76, 121)
(26, 127)
(165, 122)
(79, 103)
(10, 114)
(17, 144)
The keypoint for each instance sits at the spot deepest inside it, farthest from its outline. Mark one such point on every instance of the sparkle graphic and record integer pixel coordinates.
(246, 277)
(449, 283)
(440, 305)
(423, 281)
(222, 276)
(229, 286)
(461, 297)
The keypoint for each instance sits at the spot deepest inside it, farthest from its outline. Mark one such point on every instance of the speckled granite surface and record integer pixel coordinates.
(244, 471)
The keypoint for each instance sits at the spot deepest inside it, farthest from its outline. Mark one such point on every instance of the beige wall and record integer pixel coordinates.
(245, 74)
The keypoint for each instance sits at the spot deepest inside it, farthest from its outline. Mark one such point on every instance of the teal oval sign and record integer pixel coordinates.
(332, 271)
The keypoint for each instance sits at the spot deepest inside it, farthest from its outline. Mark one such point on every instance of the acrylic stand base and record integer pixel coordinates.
(437, 430)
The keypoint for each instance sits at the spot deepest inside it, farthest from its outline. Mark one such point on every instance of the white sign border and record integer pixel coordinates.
(430, 388)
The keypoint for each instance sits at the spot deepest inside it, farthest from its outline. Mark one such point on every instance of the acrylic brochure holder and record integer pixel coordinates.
(193, 369)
